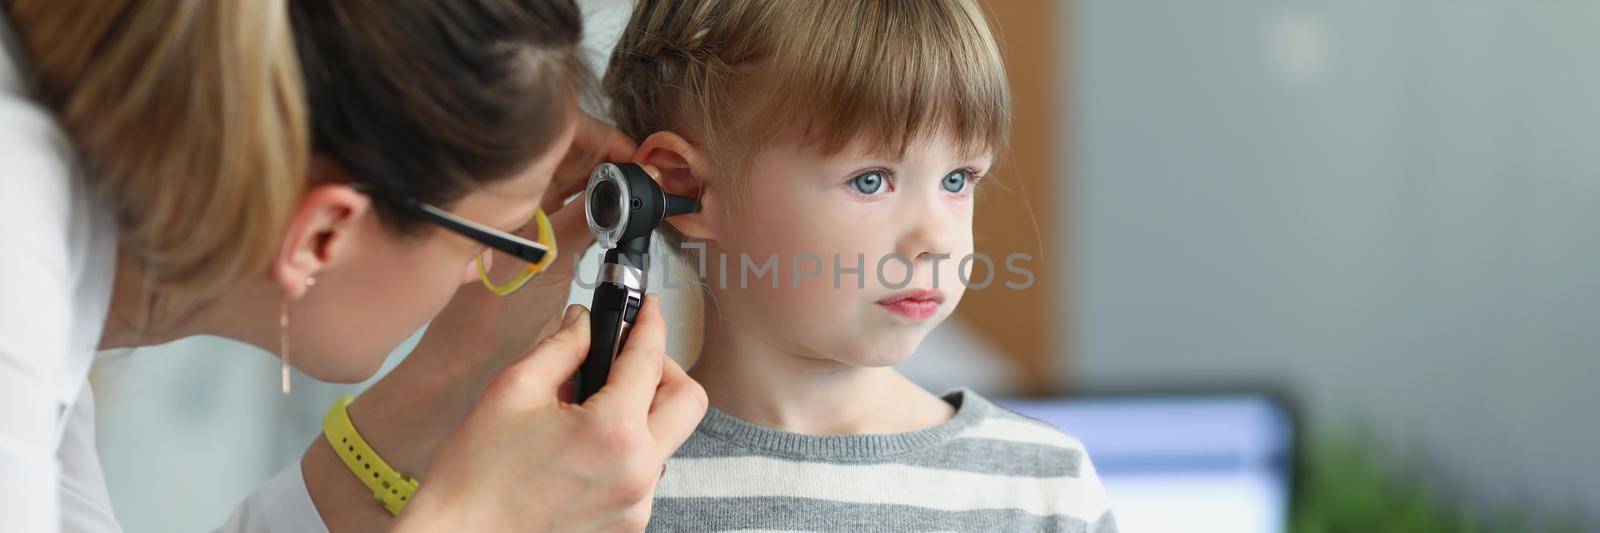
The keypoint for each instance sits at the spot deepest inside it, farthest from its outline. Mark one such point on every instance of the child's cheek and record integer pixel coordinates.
(829, 277)
(950, 275)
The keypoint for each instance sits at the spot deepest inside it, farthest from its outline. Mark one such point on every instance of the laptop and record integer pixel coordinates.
(1180, 462)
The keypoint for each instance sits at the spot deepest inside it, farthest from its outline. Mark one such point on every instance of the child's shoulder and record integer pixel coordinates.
(1000, 423)
(1045, 465)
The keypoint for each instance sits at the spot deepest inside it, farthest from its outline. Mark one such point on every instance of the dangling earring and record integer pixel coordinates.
(283, 335)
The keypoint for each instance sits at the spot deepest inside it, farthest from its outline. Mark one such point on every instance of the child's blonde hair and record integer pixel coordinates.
(733, 75)
(736, 75)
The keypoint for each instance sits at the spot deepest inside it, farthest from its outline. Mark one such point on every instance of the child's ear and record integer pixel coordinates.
(683, 169)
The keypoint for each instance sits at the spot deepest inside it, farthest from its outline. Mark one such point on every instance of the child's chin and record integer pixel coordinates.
(876, 362)
(878, 358)
(874, 348)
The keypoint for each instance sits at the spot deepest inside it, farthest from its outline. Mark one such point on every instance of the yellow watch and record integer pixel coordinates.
(389, 487)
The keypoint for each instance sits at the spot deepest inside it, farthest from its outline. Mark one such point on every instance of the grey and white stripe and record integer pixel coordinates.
(986, 469)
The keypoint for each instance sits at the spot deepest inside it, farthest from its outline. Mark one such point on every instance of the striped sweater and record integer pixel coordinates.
(986, 469)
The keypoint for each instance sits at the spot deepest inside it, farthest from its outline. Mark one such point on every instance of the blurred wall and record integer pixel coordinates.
(189, 429)
(1389, 208)
(1014, 210)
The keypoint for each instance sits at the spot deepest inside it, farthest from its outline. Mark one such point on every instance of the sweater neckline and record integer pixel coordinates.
(721, 425)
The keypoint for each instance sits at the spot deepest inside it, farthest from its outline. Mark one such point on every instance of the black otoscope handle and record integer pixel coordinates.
(624, 207)
(611, 317)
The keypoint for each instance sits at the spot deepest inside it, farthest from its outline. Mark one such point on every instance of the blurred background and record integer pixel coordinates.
(1302, 265)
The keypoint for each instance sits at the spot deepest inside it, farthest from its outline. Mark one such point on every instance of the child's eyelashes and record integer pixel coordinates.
(871, 183)
(879, 182)
(960, 181)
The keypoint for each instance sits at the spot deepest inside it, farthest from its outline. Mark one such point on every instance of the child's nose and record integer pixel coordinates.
(933, 233)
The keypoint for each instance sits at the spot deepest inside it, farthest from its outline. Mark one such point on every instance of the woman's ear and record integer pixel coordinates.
(320, 232)
(683, 170)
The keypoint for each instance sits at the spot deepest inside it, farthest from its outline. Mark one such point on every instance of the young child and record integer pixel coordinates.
(847, 134)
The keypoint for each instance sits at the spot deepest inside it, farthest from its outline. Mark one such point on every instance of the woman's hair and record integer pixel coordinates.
(187, 119)
(195, 118)
(734, 75)
(432, 98)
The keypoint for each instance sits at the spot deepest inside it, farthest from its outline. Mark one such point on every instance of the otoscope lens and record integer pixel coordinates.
(605, 204)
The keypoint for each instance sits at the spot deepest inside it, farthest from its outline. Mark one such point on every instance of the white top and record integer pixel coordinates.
(57, 261)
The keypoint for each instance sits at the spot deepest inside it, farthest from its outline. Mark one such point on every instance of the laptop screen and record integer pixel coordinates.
(1211, 462)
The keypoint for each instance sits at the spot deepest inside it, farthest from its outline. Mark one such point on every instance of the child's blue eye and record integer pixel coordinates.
(955, 181)
(869, 183)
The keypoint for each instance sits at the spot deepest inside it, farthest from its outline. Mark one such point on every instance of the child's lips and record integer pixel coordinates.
(917, 304)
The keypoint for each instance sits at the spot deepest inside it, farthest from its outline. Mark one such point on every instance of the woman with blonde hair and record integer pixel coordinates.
(319, 178)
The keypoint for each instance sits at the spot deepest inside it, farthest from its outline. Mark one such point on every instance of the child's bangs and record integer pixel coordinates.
(888, 73)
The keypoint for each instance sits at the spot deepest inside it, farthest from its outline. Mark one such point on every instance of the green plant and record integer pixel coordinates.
(1346, 486)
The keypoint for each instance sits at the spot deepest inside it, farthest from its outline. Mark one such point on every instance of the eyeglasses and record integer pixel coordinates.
(537, 255)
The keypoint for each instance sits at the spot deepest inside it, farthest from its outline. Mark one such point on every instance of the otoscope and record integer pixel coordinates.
(625, 206)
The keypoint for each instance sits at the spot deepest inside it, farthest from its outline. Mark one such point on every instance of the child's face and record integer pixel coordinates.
(856, 209)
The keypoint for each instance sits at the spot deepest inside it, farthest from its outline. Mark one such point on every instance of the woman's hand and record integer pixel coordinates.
(407, 414)
(479, 333)
(496, 329)
(524, 460)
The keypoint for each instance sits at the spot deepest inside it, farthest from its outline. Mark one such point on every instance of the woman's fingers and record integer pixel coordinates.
(572, 228)
(603, 139)
(569, 180)
(610, 143)
(540, 374)
(636, 372)
(679, 405)
(593, 143)
(644, 381)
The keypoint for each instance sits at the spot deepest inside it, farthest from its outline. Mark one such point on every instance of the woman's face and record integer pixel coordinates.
(389, 285)
(857, 209)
